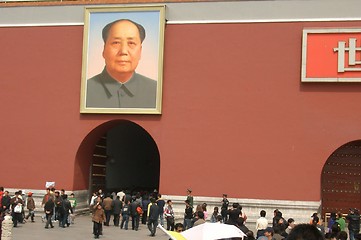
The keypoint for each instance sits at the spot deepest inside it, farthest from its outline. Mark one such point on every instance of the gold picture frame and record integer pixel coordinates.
(122, 66)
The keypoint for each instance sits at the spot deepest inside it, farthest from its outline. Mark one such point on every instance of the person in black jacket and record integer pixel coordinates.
(188, 215)
(224, 208)
(5, 201)
(233, 214)
(117, 208)
(48, 209)
(58, 206)
(125, 215)
(153, 216)
(135, 215)
(353, 219)
(66, 209)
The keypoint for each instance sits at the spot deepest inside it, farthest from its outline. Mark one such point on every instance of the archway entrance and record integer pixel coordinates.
(341, 179)
(125, 157)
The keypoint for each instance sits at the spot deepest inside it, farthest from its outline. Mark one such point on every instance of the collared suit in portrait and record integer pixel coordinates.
(103, 91)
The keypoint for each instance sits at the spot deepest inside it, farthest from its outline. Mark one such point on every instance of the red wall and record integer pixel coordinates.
(236, 118)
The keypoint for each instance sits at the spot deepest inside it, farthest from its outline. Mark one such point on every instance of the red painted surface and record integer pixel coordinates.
(322, 60)
(236, 118)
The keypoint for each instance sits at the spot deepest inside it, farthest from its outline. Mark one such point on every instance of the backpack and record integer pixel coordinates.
(125, 209)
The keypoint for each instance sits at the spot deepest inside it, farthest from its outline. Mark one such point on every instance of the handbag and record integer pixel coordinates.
(18, 208)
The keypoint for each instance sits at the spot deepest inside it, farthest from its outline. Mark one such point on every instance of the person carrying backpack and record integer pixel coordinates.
(125, 215)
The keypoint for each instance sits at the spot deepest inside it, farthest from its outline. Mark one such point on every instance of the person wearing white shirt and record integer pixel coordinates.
(261, 224)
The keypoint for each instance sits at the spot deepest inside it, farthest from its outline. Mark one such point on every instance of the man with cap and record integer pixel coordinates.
(30, 205)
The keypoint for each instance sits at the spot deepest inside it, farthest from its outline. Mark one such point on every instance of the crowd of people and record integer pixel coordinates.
(58, 207)
(150, 209)
(138, 208)
(21, 208)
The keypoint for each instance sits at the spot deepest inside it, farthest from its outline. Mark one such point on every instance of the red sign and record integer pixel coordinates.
(331, 55)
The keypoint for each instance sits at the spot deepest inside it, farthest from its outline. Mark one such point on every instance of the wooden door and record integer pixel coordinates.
(341, 179)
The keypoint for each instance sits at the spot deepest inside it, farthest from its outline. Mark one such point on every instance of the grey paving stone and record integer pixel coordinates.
(82, 229)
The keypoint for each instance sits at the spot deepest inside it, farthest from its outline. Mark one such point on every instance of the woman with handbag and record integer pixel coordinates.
(17, 208)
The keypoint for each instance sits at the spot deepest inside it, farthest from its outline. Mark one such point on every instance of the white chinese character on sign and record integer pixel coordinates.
(352, 50)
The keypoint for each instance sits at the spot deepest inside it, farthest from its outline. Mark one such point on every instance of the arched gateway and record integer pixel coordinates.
(118, 155)
(341, 179)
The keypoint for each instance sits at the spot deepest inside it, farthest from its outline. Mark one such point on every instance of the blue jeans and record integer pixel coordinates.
(352, 234)
(161, 217)
(64, 220)
(125, 220)
(108, 213)
(187, 223)
(135, 222)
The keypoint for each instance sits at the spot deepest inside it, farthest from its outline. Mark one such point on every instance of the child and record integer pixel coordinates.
(73, 204)
(98, 219)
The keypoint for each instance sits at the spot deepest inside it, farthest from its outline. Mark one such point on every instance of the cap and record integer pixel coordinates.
(189, 190)
(30, 193)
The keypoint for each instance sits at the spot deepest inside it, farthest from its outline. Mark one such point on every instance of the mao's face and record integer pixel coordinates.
(122, 49)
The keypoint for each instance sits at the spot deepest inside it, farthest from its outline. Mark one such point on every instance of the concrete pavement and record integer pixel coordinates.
(82, 229)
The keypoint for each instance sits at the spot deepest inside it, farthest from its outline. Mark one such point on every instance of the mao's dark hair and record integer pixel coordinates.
(106, 29)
